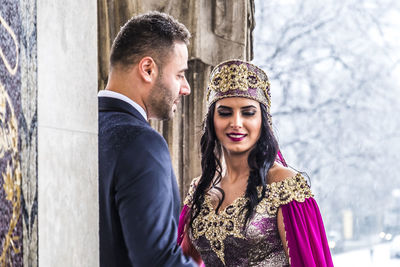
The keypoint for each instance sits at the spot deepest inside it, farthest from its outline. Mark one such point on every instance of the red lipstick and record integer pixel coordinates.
(236, 137)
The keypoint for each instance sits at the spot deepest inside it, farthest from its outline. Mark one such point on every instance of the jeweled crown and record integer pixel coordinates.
(238, 78)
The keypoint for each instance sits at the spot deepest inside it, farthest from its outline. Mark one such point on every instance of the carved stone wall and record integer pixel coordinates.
(221, 29)
(18, 134)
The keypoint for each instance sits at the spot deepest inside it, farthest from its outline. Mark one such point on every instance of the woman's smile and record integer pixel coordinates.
(236, 137)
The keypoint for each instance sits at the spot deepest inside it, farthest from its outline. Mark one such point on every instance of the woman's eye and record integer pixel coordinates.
(249, 113)
(224, 114)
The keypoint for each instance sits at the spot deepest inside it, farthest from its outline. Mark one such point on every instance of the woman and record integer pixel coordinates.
(247, 208)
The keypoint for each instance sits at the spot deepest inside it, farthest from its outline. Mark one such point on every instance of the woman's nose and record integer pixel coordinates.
(237, 121)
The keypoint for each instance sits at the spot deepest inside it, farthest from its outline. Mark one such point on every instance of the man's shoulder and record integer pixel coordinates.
(149, 136)
(137, 133)
(112, 122)
(112, 119)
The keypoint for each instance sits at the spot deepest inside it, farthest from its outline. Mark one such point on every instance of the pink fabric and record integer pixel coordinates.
(281, 159)
(305, 234)
(183, 239)
(182, 223)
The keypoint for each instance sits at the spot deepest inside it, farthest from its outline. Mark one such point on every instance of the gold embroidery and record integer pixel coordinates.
(283, 192)
(216, 227)
(238, 77)
(189, 197)
(229, 222)
(230, 78)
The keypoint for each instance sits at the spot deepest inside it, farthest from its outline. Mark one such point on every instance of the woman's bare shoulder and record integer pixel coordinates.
(278, 173)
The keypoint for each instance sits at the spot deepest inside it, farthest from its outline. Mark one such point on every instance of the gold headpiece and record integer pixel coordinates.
(237, 78)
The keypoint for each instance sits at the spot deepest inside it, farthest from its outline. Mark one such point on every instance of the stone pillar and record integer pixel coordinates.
(221, 29)
(48, 133)
(67, 133)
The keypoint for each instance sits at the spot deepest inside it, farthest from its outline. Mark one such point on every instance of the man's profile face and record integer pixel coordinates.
(171, 83)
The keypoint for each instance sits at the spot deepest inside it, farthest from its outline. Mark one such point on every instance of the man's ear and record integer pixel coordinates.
(148, 69)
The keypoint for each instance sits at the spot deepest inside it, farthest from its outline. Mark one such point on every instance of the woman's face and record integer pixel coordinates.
(237, 123)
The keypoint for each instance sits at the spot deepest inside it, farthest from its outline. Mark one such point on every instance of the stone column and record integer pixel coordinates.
(221, 29)
(67, 133)
(48, 133)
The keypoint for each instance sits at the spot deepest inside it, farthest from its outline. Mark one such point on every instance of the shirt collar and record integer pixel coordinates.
(112, 94)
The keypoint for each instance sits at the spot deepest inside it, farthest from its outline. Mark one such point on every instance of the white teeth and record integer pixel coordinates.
(236, 135)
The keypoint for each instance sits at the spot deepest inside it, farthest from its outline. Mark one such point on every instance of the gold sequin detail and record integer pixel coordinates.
(230, 78)
(240, 77)
(216, 227)
(189, 197)
(283, 192)
(229, 221)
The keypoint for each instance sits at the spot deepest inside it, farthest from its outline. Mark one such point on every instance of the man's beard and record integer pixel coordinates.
(161, 100)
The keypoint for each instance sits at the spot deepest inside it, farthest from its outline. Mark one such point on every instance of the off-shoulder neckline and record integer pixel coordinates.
(242, 197)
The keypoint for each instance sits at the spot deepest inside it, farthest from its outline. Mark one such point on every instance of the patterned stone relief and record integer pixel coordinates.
(10, 193)
(18, 138)
(10, 171)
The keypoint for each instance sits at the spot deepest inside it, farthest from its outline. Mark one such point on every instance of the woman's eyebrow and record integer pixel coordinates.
(224, 107)
(246, 107)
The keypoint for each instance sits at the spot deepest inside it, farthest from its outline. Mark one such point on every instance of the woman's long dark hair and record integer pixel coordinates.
(260, 159)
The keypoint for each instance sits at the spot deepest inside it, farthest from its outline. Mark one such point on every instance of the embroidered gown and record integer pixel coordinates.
(221, 240)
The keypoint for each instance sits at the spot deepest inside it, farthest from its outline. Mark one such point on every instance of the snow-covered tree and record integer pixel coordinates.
(334, 68)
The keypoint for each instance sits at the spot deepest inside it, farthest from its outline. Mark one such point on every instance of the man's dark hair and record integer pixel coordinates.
(151, 34)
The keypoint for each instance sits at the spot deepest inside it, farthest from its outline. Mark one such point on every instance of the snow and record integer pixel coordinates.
(363, 257)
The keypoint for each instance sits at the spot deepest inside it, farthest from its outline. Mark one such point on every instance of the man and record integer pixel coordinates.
(139, 198)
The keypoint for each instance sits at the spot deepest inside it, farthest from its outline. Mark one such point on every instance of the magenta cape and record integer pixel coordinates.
(305, 234)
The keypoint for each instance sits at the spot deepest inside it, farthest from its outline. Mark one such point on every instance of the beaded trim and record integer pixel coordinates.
(217, 227)
(229, 221)
(283, 192)
(237, 78)
(189, 197)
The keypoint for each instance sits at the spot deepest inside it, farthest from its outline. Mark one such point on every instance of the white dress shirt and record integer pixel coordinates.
(109, 93)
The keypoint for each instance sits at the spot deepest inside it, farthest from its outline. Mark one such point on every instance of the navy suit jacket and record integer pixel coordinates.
(138, 193)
